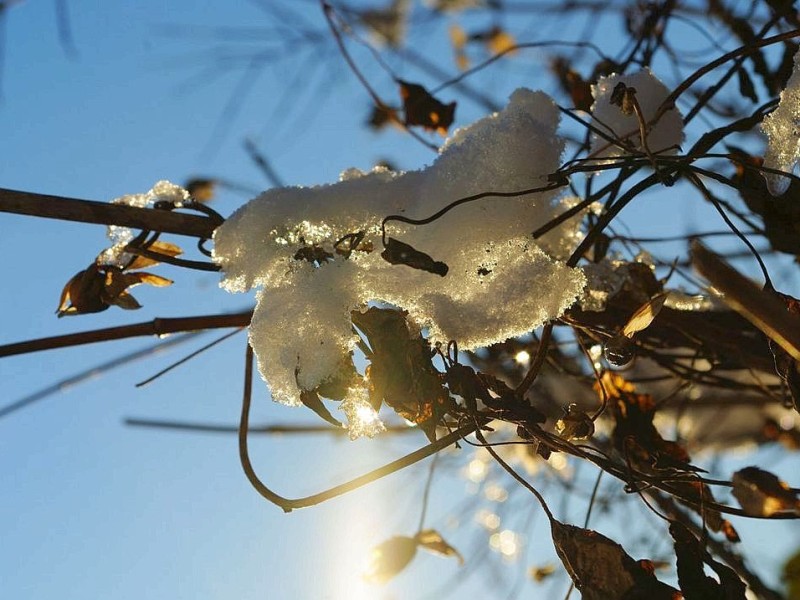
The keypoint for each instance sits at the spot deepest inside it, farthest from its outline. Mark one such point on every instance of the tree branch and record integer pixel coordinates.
(105, 213)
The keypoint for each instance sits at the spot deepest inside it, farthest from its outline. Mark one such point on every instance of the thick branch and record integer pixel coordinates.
(154, 327)
(104, 213)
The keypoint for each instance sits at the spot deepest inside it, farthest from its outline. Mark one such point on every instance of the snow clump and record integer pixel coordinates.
(782, 128)
(501, 283)
(650, 93)
(162, 191)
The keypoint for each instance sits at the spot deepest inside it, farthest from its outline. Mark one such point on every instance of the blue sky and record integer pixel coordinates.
(91, 508)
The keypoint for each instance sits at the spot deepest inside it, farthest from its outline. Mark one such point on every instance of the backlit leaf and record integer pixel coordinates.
(432, 541)
(421, 108)
(760, 493)
(389, 558)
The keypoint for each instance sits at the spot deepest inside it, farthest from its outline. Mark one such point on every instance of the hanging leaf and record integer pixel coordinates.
(201, 190)
(389, 558)
(458, 39)
(83, 293)
(539, 574)
(100, 286)
(762, 494)
(311, 399)
(400, 372)
(746, 87)
(575, 425)
(381, 116)
(623, 96)
(400, 253)
(159, 247)
(693, 581)
(601, 569)
(421, 108)
(432, 541)
(579, 90)
(644, 315)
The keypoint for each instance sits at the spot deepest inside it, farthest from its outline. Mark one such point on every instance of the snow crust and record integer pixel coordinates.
(162, 191)
(650, 93)
(501, 283)
(782, 128)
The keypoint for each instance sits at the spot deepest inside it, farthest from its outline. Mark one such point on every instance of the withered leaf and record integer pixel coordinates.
(390, 558)
(539, 574)
(82, 293)
(100, 286)
(311, 399)
(401, 372)
(575, 425)
(601, 569)
(201, 189)
(623, 96)
(694, 583)
(644, 315)
(400, 253)
(420, 108)
(746, 87)
(761, 494)
(579, 90)
(380, 116)
(432, 541)
(165, 248)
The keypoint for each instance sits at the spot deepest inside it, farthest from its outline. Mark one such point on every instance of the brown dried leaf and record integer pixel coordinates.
(575, 425)
(432, 541)
(400, 253)
(421, 108)
(141, 262)
(601, 569)
(761, 494)
(83, 293)
(695, 584)
(125, 300)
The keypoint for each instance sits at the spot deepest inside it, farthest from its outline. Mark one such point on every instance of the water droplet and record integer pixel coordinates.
(619, 351)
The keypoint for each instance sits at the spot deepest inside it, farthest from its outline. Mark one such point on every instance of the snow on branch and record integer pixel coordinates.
(314, 251)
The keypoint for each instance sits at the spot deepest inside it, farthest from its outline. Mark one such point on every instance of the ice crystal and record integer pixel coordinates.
(315, 252)
(162, 191)
(782, 128)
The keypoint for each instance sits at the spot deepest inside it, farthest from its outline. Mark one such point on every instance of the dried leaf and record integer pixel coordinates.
(201, 190)
(498, 41)
(644, 315)
(311, 399)
(623, 96)
(601, 569)
(400, 253)
(539, 574)
(390, 558)
(575, 425)
(165, 248)
(432, 541)
(746, 87)
(83, 293)
(579, 90)
(458, 39)
(761, 494)
(400, 372)
(381, 116)
(421, 108)
(694, 583)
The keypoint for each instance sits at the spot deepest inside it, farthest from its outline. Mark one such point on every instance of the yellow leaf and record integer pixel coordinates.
(433, 541)
(644, 316)
(389, 558)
